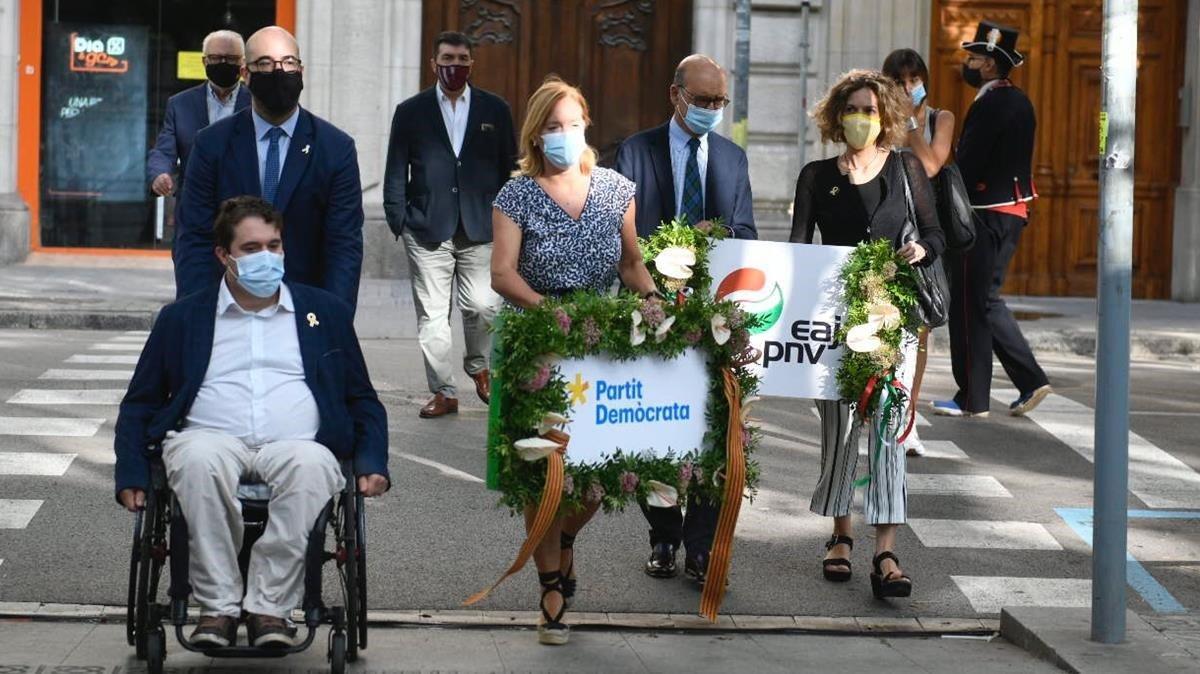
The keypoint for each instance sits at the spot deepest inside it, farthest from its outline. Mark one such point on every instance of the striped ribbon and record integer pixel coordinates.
(735, 483)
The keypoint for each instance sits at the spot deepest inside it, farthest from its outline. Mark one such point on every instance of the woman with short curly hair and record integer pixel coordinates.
(860, 195)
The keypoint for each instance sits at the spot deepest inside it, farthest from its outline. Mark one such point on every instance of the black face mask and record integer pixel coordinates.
(277, 91)
(223, 75)
(972, 76)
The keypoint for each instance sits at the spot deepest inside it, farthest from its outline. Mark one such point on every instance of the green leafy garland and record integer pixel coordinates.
(881, 304)
(585, 323)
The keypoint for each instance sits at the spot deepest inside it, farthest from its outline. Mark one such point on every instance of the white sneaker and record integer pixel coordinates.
(913, 445)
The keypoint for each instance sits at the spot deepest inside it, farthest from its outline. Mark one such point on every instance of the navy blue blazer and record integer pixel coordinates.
(187, 113)
(320, 196)
(173, 363)
(427, 190)
(645, 158)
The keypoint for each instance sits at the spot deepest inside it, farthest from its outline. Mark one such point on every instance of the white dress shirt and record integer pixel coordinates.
(261, 127)
(679, 157)
(254, 387)
(218, 109)
(455, 116)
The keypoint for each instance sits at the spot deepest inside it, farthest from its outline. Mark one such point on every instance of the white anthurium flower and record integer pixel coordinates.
(660, 333)
(720, 329)
(636, 316)
(661, 495)
(884, 313)
(551, 421)
(675, 262)
(534, 449)
(636, 334)
(862, 338)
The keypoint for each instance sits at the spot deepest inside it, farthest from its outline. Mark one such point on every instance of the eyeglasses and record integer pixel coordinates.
(214, 59)
(289, 64)
(710, 102)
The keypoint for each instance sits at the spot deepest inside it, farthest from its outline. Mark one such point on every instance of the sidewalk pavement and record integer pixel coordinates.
(88, 292)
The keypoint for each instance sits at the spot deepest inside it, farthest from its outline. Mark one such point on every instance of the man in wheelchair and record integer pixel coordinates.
(250, 379)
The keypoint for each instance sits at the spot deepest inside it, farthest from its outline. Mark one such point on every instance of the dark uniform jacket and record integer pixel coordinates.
(995, 151)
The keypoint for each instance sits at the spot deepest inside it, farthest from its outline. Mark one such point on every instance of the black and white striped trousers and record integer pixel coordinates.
(885, 500)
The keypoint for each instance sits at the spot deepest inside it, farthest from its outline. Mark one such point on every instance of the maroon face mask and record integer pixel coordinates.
(453, 78)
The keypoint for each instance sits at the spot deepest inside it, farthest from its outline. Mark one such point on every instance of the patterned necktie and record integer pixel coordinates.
(271, 171)
(693, 196)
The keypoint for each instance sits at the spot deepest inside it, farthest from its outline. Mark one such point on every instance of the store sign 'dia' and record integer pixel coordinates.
(97, 56)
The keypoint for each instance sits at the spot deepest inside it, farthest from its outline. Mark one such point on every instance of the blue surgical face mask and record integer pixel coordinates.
(703, 120)
(918, 94)
(564, 148)
(260, 273)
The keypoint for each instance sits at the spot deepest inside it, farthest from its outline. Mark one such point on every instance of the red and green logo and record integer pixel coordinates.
(749, 288)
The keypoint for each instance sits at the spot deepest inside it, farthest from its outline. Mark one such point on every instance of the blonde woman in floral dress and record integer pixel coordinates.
(854, 197)
(562, 225)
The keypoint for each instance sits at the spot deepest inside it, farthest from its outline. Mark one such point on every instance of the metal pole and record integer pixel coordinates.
(805, 10)
(1110, 491)
(741, 73)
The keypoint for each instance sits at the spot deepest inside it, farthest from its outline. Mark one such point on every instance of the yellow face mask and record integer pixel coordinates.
(860, 129)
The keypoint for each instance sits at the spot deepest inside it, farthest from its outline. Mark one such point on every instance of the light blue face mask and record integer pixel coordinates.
(703, 120)
(918, 94)
(260, 273)
(564, 148)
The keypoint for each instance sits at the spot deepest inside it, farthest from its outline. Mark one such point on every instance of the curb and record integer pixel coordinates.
(455, 619)
(1142, 345)
(41, 319)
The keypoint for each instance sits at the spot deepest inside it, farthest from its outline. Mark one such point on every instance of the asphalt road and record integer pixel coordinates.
(995, 534)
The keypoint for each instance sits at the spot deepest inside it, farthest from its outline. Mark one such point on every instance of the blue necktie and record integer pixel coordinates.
(271, 171)
(693, 195)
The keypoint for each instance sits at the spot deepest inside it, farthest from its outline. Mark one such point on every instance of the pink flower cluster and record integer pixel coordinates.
(629, 482)
(591, 333)
(568, 485)
(693, 336)
(563, 319)
(686, 473)
(595, 493)
(652, 312)
(538, 381)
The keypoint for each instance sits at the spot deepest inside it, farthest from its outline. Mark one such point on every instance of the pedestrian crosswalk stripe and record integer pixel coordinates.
(16, 513)
(1159, 479)
(442, 468)
(980, 486)
(34, 463)
(944, 449)
(922, 421)
(50, 426)
(988, 594)
(137, 333)
(105, 346)
(105, 396)
(129, 339)
(88, 375)
(983, 534)
(96, 359)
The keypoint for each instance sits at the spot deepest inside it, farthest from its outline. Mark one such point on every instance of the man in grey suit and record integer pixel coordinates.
(451, 149)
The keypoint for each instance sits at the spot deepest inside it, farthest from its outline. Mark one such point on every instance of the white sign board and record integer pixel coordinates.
(796, 292)
(643, 406)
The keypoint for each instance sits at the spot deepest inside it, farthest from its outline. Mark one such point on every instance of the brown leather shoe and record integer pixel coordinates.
(483, 385)
(438, 406)
(215, 631)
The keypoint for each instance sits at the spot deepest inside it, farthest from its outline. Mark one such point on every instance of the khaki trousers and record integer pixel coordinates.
(203, 470)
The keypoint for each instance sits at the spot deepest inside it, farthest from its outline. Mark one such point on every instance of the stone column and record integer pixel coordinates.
(14, 215)
(1185, 267)
(361, 58)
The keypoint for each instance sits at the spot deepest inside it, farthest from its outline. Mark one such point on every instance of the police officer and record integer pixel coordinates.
(995, 154)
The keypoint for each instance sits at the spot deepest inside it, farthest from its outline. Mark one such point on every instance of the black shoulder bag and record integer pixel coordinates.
(955, 214)
(933, 290)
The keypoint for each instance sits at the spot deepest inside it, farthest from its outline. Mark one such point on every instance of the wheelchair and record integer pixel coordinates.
(160, 537)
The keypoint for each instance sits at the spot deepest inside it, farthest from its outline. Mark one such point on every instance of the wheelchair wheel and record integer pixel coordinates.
(135, 557)
(156, 650)
(148, 570)
(361, 558)
(337, 652)
(349, 573)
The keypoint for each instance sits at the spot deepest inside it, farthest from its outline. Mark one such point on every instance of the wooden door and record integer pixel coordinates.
(621, 53)
(1061, 42)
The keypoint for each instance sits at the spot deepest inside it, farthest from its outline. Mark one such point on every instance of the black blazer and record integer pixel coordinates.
(645, 158)
(995, 151)
(187, 113)
(426, 189)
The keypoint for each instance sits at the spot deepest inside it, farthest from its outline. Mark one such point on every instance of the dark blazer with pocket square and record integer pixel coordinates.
(426, 189)
(319, 195)
(173, 363)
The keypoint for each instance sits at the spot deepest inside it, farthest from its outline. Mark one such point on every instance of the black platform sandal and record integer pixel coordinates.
(567, 542)
(832, 574)
(552, 631)
(894, 584)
